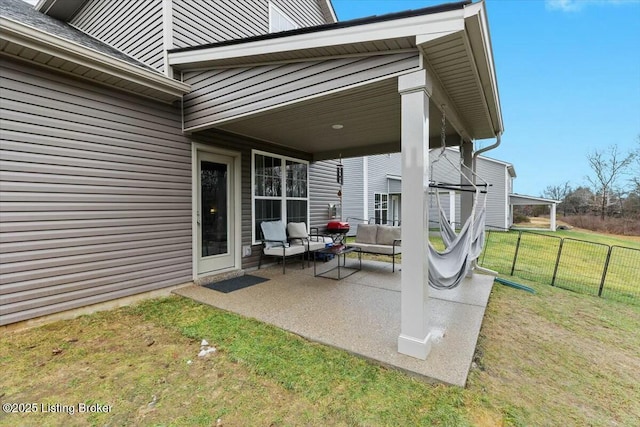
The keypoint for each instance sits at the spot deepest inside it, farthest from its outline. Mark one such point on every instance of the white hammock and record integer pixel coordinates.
(449, 267)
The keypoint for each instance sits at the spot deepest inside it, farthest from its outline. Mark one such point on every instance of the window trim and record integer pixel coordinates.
(283, 198)
(380, 209)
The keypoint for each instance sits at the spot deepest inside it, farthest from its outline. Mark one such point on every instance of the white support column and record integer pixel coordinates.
(415, 90)
(552, 217)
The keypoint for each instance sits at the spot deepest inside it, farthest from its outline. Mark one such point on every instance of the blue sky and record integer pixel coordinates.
(569, 80)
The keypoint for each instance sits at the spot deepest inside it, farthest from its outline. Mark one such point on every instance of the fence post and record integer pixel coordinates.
(555, 269)
(486, 246)
(515, 256)
(604, 273)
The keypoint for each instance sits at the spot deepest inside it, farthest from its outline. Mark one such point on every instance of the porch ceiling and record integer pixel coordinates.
(370, 116)
(455, 51)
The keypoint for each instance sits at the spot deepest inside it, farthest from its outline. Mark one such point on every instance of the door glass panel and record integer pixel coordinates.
(213, 214)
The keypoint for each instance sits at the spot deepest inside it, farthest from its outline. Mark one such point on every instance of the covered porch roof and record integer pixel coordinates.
(295, 88)
(521, 199)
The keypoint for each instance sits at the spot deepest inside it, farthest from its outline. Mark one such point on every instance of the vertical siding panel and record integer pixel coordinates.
(132, 26)
(96, 194)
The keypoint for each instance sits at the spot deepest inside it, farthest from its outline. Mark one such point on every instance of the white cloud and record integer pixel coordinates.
(577, 5)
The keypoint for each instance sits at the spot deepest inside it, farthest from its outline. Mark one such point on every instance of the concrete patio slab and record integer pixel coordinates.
(361, 314)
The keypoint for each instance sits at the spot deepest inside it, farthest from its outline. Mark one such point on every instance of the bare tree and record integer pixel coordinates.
(609, 166)
(558, 192)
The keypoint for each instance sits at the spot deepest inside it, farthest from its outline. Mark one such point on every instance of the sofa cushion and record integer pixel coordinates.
(366, 233)
(377, 249)
(387, 234)
(297, 230)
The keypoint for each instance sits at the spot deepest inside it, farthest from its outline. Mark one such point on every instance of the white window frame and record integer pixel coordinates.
(283, 197)
(380, 209)
(276, 11)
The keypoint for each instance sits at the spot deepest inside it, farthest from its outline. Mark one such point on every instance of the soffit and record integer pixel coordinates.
(43, 49)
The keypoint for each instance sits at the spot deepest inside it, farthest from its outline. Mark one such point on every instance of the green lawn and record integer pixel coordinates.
(553, 358)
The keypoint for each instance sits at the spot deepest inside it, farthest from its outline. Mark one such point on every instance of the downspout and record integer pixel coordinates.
(475, 156)
(485, 149)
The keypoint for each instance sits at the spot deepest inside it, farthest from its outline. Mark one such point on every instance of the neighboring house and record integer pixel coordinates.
(144, 141)
(372, 190)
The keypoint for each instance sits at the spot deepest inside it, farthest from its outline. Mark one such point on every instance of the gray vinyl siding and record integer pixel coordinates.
(132, 26)
(379, 166)
(305, 13)
(352, 191)
(211, 21)
(323, 190)
(219, 95)
(497, 203)
(95, 188)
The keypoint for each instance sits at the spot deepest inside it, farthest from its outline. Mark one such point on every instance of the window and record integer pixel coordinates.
(380, 207)
(279, 21)
(280, 190)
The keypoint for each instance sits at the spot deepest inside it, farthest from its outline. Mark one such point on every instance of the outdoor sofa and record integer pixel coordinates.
(380, 240)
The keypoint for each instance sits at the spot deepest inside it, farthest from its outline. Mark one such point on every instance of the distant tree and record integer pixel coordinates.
(579, 201)
(609, 166)
(558, 192)
(635, 178)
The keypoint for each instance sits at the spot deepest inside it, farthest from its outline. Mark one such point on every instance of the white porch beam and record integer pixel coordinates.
(552, 216)
(415, 89)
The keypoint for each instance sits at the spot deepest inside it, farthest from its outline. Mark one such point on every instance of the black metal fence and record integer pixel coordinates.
(611, 272)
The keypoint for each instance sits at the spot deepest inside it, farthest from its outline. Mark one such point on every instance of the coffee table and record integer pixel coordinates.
(337, 251)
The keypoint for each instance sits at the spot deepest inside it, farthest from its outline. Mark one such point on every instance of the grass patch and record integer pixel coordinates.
(554, 358)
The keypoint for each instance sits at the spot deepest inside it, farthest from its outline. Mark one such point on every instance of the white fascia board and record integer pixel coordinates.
(332, 11)
(532, 198)
(478, 12)
(440, 23)
(33, 38)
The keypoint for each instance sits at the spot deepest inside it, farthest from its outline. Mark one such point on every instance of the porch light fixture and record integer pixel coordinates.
(337, 126)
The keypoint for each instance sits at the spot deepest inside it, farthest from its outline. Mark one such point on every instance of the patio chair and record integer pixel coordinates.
(297, 232)
(275, 243)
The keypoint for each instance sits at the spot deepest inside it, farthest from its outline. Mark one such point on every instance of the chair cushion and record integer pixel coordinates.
(288, 251)
(273, 230)
(297, 230)
(366, 233)
(387, 234)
